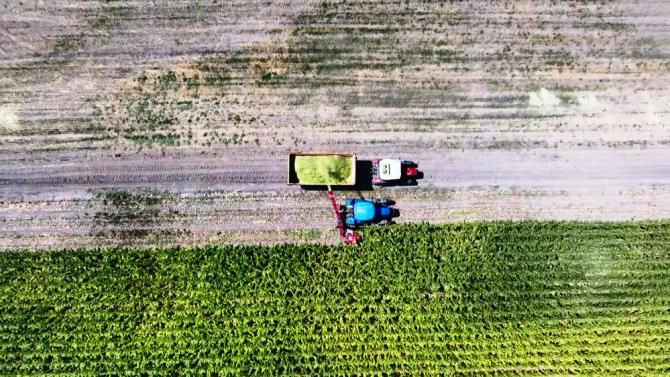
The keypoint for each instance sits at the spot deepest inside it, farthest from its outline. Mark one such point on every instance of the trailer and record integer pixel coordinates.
(322, 169)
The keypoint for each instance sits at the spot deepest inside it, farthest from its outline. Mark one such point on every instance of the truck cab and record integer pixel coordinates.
(360, 212)
(394, 172)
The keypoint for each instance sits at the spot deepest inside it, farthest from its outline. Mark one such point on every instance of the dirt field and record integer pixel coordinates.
(126, 124)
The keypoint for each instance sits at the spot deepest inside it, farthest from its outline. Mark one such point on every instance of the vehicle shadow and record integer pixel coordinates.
(363, 180)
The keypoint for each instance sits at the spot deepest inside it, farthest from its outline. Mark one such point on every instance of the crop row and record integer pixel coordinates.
(465, 299)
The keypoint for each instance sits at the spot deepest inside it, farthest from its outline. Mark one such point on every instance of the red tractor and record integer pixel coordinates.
(395, 172)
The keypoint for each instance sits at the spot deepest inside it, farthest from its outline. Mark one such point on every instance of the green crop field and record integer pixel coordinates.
(499, 298)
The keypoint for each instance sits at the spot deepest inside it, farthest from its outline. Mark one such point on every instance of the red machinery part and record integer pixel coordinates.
(412, 171)
(340, 224)
(350, 237)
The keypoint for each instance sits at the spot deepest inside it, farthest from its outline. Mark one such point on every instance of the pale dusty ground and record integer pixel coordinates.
(524, 110)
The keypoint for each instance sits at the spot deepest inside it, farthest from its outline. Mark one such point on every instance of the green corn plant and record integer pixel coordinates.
(485, 298)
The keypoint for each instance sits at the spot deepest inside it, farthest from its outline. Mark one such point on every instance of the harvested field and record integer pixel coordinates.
(514, 110)
(473, 299)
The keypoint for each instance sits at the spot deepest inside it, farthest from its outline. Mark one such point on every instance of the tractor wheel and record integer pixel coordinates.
(387, 202)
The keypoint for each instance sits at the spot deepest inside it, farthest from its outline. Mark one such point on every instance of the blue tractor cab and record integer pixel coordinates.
(360, 212)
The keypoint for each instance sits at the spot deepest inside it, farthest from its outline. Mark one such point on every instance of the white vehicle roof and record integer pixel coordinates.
(389, 169)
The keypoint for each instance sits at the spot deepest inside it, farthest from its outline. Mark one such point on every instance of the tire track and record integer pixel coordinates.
(513, 110)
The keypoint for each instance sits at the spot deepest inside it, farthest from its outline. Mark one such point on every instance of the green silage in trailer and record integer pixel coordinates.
(476, 299)
(325, 169)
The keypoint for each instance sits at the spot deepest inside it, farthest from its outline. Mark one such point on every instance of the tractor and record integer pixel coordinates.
(395, 172)
(360, 212)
